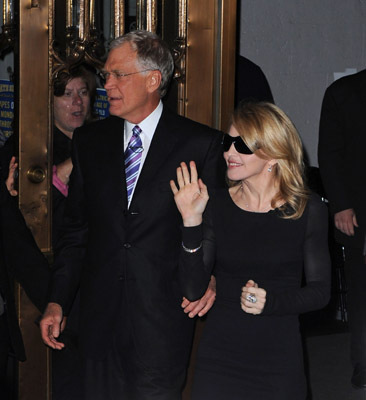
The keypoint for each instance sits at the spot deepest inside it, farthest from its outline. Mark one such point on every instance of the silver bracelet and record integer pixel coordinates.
(191, 250)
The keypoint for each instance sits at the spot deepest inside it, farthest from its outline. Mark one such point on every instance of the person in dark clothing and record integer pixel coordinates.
(250, 82)
(20, 259)
(341, 153)
(74, 93)
(122, 236)
(260, 236)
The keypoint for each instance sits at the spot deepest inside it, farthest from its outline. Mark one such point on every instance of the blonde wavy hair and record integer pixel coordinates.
(269, 133)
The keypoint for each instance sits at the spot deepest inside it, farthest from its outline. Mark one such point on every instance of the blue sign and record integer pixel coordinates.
(6, 108)
(101, 105)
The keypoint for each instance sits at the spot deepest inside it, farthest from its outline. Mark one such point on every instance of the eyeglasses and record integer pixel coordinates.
(119, 75)
(238, 142)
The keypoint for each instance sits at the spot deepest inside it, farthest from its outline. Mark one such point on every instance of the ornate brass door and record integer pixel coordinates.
(50, 35)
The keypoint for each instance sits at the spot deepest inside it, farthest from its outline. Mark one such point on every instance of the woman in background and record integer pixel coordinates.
(74, 94)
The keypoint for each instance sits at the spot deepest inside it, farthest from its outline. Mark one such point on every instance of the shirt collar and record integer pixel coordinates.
(148, 125)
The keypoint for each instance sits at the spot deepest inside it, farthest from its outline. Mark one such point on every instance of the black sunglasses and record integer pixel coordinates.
(239, 144)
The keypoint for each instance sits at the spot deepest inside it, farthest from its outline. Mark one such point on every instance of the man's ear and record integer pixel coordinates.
(154, 80)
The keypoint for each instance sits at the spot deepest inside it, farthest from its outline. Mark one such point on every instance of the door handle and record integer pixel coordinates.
(36, 174)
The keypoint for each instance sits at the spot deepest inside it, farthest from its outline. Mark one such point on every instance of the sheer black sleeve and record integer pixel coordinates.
(196, 268)
(317, 266)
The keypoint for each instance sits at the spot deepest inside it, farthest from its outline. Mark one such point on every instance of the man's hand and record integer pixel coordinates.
(10, 181)
(202, 306)
(52, 325)
(345, 221)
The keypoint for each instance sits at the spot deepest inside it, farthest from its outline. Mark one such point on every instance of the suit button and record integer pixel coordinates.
(121, 278)
(127, 245)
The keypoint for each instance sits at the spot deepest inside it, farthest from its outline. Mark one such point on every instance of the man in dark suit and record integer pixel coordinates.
(122, 240)
(20, 259)
(342, 144)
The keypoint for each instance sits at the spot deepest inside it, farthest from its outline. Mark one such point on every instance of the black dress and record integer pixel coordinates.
(244, 356)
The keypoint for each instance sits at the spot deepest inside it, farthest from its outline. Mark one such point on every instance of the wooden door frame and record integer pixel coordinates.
(210, 61)
(32, 66)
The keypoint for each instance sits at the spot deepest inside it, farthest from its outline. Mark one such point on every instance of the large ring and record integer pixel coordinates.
(251, 297)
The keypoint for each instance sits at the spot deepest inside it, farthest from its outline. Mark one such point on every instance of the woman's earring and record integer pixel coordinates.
(269, 168)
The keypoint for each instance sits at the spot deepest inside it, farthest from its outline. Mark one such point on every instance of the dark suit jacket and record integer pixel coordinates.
(342, 150)
(20, 259)
(131, 252)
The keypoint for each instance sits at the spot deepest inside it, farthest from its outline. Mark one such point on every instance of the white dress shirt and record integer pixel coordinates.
(147, 126)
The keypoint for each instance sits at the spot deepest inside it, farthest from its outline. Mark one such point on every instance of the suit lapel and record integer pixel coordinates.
(115, 160)
(162, 145)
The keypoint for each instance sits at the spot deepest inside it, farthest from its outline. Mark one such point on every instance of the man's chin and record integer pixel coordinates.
(115, 111)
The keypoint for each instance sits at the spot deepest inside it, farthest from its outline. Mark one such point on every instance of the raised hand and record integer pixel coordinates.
(192, 196)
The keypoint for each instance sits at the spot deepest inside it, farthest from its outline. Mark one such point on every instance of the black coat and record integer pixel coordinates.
(342, 150)
(20, 259)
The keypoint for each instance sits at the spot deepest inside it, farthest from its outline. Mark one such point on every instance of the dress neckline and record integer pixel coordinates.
(248, 211)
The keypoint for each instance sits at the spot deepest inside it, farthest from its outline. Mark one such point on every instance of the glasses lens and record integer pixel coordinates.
(239, 144)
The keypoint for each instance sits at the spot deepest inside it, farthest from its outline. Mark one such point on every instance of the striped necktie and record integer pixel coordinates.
(133, 156)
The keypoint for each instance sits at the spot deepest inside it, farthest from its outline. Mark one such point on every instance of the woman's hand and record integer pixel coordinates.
(192, 197)
(64, 170)
(10, 181)
(253, 298)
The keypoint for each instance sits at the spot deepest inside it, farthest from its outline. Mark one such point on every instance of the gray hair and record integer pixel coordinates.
(152, 53)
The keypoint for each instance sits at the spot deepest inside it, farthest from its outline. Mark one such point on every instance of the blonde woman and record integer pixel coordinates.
(259, 236)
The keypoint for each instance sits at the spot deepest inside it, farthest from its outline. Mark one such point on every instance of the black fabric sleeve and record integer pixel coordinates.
(331, 152)
(58, 209)
(196, 268)
(71, 247)
(315, 293)
(24, 261)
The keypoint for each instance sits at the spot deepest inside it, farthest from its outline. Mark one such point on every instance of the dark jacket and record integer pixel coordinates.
(342, 149)
(20, 259)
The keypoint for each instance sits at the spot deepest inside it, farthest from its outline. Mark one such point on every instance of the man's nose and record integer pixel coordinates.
(109, 81)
